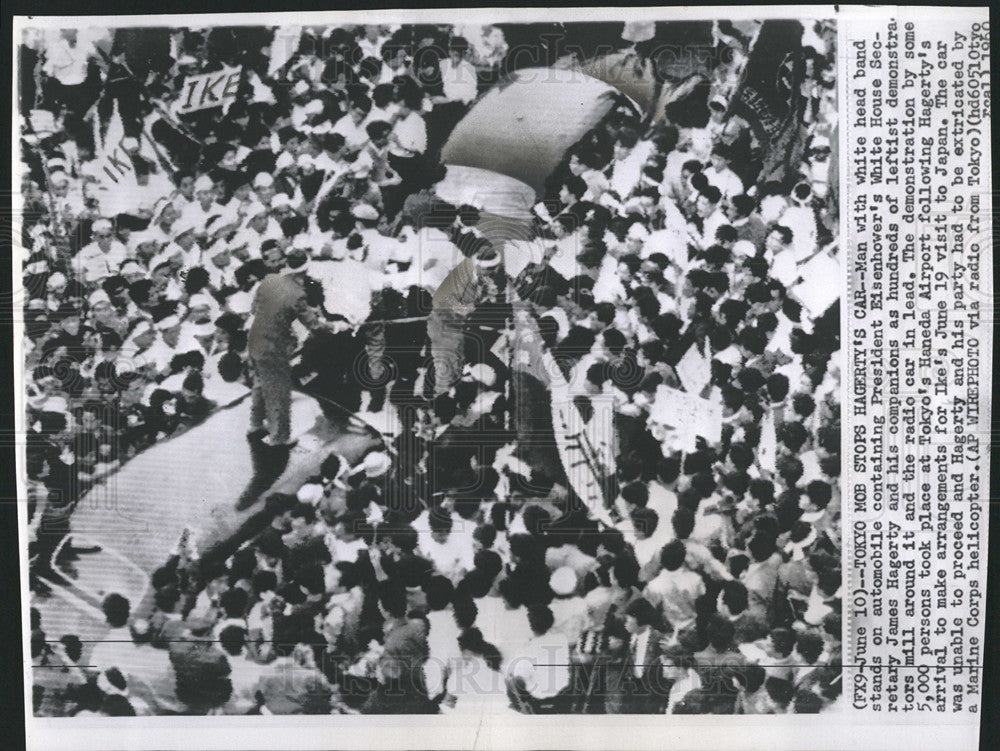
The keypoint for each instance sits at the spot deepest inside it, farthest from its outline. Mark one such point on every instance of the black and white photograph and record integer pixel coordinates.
(484, 369)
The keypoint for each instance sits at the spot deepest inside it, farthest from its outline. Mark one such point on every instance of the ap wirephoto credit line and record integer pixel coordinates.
(502, 375)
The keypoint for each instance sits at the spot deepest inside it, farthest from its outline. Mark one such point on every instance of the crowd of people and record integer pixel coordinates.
(443, 572)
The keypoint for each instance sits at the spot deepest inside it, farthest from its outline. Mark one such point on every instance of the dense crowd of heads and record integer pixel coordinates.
(444, 571)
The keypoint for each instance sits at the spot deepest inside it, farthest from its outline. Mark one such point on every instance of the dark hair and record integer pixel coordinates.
(511, 591)
(644, 520)
(166, 598)
(116, 610)
(735, 597)
(575, 185)
(683, 522)
(472, 640)
(819, 493)
(672, 555)
(540, 618)
(485, 534)
(439, 591)
(232, 639)
(643, 611)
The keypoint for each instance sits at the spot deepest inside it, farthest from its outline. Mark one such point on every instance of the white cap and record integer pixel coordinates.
(58, 178)
(58, 279)
(314, 106)
(130, 144)
(129, 266)
(302, 242)
(239, 302)
(102, 225)
(305, 160)
(254, 210)
(376, 464)
(280, 200)
(97, 297)
(203, 183)
(300, 87)
(263, 180)
(365, 211)
(638, 231)
(311, 493)
(168, 323)
(563, 581)
(284, 161)
(744, 248)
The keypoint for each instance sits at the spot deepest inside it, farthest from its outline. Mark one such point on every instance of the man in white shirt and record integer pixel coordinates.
(116, 647)
(352, 126)
(626, 168)
(721, 176)
(707, 208)
(407, 146)
(103, 257)
(244, 672)
(676, 588)
(204, 207)
(442, 635)
(457, 74)
(451, 554)
(540, 674)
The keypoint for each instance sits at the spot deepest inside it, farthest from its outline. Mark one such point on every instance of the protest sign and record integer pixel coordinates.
(208, 90)
(689, 415)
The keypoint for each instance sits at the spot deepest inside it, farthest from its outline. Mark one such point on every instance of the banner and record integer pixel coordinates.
(769, 96)
(208, 90)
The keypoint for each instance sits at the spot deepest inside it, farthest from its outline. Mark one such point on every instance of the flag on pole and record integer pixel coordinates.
(769, 95)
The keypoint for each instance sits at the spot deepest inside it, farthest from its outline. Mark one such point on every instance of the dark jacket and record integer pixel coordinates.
(280, 301)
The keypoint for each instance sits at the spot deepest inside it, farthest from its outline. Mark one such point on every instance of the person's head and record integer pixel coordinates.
(439, 591)
(166, 598)
(778, 238)
(626, 141)
(360, 107)
(644, 522)
(457, 49)
(733, 598)
(739, 207)
(720, 632)
(116, 610)
(780, 691)
(232, 639)
(782, 641)
(672, 555)
(809, 645)
(103, 233)
(572, 189)
(640, 614)
(540, 619)
(683, 522)
(690, 168)
(720, 157)
(708, 201)
(184, 180)
(511, 592)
